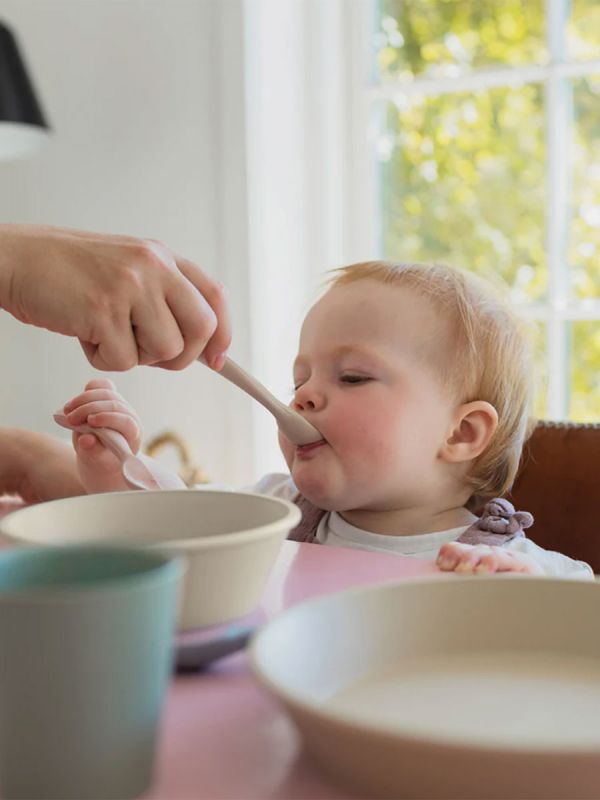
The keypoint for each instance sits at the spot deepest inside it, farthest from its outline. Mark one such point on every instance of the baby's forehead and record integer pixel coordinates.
(371, 307)
(375, 314)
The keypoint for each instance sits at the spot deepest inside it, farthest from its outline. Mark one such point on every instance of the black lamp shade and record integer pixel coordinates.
(22, 123)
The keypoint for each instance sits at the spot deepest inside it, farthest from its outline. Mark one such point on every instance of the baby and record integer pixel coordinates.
(419, 380)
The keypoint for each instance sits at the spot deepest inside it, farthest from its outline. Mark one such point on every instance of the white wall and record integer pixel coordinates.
(146, 101)
(226, 128)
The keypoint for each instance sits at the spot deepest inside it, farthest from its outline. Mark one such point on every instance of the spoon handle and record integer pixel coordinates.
(293, 425)
(235, 374)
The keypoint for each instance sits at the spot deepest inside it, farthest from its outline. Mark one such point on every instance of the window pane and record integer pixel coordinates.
(584, 404)
(584, 242)
(462, 181)
(583, 29)
(442, 38)
(537, 332)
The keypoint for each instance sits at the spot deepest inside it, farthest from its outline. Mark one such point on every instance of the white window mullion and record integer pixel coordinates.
(363, 241)
(557, 135)
(481, 79)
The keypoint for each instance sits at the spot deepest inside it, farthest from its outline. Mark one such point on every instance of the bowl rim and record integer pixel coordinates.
(299, 703)
(220, 540)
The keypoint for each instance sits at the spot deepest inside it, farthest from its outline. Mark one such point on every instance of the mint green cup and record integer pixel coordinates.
(86, 637)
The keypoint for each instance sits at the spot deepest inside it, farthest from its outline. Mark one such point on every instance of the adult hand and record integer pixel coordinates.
(128, 301)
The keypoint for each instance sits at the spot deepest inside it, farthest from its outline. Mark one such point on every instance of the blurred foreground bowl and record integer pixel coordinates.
(228, 540)
(445, 687)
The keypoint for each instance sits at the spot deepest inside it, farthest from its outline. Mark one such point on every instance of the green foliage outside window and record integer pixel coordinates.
(463, 174)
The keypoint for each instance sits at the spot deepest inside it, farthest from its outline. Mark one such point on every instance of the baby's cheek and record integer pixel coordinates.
(287, 449)
(365, 433)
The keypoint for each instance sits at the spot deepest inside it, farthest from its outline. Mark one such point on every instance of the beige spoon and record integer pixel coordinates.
(293, 426)
(137, 475)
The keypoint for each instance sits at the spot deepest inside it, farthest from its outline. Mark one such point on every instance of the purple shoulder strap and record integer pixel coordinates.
(306, 529)
(497, 525)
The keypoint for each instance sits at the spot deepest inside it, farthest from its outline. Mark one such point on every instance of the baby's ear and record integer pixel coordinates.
(472, 429)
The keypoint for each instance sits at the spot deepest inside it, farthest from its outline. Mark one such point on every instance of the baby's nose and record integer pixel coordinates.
(305, 405)
(309, 399)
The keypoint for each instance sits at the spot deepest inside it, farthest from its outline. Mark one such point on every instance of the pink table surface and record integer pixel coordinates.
(222, 735)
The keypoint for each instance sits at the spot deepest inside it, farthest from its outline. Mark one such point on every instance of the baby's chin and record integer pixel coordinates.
(318, 493)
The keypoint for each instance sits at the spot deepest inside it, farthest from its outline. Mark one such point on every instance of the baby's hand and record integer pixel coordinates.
(483, 559)
(101, 406)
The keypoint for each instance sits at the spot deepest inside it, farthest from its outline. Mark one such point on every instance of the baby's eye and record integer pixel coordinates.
(354, 379)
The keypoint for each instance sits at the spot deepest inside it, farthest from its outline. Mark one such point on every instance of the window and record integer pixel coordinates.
(487, 149)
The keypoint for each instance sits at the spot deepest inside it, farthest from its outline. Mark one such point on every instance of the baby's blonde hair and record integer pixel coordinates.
(490, 357)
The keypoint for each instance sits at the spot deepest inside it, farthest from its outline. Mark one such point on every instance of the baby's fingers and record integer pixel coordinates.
(494, 560)
(511, 561)
(91, 451)
(124, 423)
(102, 388)
(80, 415)
(100, 383)
(94, 396)
(466, 558)
(484, 559)
(450, 555)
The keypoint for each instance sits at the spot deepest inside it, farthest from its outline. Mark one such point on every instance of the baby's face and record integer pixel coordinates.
(366, 377)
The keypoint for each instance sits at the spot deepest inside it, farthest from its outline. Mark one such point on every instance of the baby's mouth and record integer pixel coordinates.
(304, 449)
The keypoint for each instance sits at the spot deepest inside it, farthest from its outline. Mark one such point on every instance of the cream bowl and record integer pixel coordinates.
(228, 540)
(445, 687)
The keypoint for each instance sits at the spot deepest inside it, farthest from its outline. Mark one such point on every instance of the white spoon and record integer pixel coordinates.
(136, 473)
(293, 426)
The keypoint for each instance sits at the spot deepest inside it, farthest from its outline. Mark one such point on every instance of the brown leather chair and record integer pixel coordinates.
(558, 482)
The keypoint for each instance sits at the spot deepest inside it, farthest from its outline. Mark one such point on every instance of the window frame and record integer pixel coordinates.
(558, 309)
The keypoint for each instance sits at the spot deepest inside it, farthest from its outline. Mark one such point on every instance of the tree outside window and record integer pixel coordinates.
(488, 157)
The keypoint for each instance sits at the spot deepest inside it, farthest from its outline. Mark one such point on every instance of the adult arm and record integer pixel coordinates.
(129, 301)
(36, 466)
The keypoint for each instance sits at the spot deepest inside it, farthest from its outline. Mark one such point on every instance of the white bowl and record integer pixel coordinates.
(229, 540)
(445, 687)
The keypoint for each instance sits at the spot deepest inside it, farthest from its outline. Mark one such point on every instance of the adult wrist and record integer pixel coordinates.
(12, 239)
(13, 457)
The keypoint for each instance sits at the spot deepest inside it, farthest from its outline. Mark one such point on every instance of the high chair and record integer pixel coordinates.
(558, 483)
(188, 471)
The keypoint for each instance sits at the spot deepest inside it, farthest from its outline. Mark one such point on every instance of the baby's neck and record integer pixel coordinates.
(409, 521)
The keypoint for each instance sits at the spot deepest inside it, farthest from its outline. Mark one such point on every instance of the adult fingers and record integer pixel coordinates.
(157, 330)
(116, 349)
(172, 319)
(215, 295)
(197, 323)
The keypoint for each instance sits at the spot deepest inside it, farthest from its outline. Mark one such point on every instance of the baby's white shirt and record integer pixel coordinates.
(334, 531)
